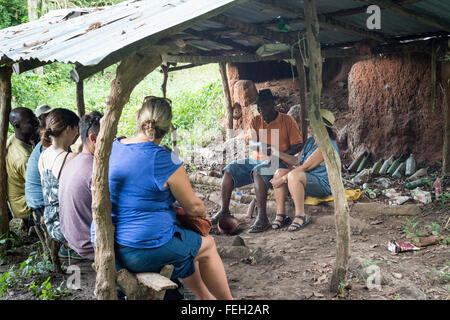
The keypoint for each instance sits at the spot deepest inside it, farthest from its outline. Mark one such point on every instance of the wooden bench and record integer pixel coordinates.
(146, 286)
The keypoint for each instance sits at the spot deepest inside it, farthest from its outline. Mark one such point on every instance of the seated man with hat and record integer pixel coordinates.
(270, 128)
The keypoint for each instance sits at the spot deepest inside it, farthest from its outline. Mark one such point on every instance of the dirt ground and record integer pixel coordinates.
(282, 265)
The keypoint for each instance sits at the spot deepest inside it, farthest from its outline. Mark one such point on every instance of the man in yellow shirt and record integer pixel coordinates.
(18, 150)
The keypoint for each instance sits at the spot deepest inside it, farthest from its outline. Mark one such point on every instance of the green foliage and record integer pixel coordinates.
(35, 264)
(9, 236)
(13, 12)
(435, 228)
(196, 94)
(445, 198)
(412, 230)
(8, 280)
(46, 292)
(368, 263)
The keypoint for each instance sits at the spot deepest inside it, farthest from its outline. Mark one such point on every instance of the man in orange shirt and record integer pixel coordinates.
(270, 128)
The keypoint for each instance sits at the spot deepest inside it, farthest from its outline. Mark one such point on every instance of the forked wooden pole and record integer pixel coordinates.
(129, 73)
(332, 160)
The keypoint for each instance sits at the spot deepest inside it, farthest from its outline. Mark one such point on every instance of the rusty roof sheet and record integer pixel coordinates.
(97, 33)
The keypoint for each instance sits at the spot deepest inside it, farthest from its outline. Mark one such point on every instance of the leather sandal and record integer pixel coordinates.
(278, 224)
(297, 226)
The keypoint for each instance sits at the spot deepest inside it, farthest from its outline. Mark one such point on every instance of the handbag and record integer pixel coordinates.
(198, 224)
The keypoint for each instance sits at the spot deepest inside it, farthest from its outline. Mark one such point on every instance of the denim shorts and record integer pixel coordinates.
(180, 252)
(314, 187)
(242, 171)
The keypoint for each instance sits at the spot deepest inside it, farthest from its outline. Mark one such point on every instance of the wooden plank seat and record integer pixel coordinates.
(146, 286)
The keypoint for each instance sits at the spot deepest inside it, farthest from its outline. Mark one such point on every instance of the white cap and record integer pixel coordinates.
(42, 109)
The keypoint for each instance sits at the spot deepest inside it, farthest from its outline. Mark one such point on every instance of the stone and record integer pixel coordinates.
(397, 275)
(412, 293)
(329, 221)
(238, 241)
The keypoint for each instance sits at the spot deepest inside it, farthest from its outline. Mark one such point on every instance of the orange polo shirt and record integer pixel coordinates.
(288, 133)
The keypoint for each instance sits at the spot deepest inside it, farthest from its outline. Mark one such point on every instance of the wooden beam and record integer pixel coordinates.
(224, 41)
(5, 109)
(332, 159)
(325, 21)
(200, 59)
(363, 9)
(227, 95)
(445, 78)
(415, 15)
(129, 73)
(253, 29)
(80, 99)
(26, 65)
(188, 66)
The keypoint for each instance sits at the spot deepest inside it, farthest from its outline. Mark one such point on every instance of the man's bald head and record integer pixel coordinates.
(25, 124)
(17, 115)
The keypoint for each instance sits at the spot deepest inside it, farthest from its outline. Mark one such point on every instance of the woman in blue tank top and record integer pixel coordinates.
(309, 177)
(145, 179)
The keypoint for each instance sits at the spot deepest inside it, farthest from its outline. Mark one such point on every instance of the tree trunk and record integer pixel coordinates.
(332, 160)
(302, 82)
(5, 109)
(33, 10)
(227, 95)
(446, 148)
(129, 73)
(80, 99)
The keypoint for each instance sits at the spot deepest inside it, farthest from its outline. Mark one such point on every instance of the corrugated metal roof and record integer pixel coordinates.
(90, 38)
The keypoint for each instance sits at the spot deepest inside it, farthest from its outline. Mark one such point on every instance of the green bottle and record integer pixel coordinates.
(355, 164)
(399, 171)
(376, 167)
(418, 183)
(394, 166)
(410, 165)
(363, 164)
(386, 165)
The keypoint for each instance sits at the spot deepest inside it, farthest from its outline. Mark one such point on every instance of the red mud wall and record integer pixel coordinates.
(390, 105)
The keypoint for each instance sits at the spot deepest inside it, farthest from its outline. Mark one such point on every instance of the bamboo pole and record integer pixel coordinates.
(129, 73)
(332, 160)
(5, 109)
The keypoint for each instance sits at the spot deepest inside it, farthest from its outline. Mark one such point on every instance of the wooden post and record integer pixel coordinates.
(5, 109)
(302, 82)
(445, 72)
(80, 98)
(332, 160)
(227, 94)
(129, 73)
(165, 70)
